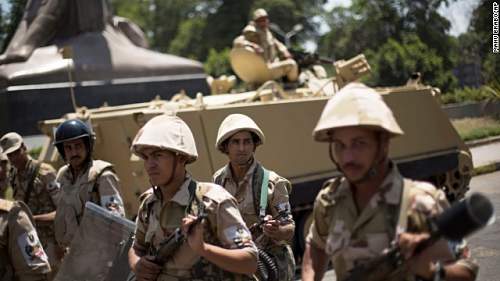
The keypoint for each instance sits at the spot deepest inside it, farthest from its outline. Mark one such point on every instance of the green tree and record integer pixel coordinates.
(395, 61)
(15, 16)
(189, 41)
(217, 63)
(481, 30)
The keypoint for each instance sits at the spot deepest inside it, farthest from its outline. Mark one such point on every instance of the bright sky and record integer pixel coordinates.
(458, 12)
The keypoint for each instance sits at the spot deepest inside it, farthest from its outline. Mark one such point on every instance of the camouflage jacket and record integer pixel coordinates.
(98, 184)
(247, 194)
(22, 257)
(224, 227)
(349, 237)
(43, 196)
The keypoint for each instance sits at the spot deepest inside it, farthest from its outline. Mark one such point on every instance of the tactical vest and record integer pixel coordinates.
(72, 203)
(257, 177)
(278, 256)
(202, 270)
(396, 218)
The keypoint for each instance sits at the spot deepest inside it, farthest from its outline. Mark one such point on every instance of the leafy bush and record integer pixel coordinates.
(217, 63)
(35, 152)
(395, 61)
(468, 94)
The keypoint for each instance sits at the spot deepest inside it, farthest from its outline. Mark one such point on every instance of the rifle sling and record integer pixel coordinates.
(31, 183)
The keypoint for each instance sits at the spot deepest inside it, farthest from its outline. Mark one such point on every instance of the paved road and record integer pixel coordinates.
(487, 154)
(485, 245)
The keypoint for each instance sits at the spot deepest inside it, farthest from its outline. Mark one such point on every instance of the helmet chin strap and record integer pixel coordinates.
(156, 189)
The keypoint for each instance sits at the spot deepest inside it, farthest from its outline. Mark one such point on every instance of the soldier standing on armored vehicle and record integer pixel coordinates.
(34, 183)
(218, 248)
(262, 195)
(358, 215)
(261, 40)
(82, 179)
(22, 257)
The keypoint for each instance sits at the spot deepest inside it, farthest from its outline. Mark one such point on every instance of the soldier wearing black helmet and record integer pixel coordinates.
(82, 179)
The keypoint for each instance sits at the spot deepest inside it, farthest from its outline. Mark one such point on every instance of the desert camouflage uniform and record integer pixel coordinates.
(42, 199)
(350, 238)
(21, 254)
(98, 184)
(247, 194)
(224, 227)
(274, 55)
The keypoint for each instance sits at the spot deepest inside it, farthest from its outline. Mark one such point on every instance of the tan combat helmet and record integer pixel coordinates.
(169, 133)
(249, 29)
(234, 123)
(356, 105)
(11, 142)
(259, 13)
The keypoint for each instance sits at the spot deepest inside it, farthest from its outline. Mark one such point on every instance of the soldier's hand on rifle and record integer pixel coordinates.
(194, 233)
(146, 270)
(420, 264)
(271, 227)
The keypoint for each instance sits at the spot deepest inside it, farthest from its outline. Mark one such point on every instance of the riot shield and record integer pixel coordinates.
(96, 245)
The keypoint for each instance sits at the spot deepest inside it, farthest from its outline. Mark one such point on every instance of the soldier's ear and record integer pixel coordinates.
(385, 140)
(182, 159)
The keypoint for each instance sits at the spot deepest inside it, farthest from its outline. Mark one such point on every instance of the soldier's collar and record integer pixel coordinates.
(228, 174)
(392, 186)
(182, 195)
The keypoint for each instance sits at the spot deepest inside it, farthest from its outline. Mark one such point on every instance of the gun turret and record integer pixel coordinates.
(473, 213)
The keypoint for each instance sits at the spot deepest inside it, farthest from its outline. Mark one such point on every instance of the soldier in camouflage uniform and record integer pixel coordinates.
(82, 179)
(238, 138)
(258, 37)
(4, 175)
(357, 216)
(22, 257)
(219, 248)
(35, 184)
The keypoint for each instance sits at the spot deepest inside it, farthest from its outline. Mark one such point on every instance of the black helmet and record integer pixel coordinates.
(71, 130)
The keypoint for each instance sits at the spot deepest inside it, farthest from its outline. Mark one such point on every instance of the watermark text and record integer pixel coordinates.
(495, 30)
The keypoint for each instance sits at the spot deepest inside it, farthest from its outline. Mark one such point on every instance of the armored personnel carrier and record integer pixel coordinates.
(430, 149)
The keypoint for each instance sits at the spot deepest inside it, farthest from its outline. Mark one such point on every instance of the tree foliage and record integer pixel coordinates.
(14, 17)
(400, 37)
(395, 61)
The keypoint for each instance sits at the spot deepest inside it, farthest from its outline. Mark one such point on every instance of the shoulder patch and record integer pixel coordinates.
(6, 205)
(32, 249)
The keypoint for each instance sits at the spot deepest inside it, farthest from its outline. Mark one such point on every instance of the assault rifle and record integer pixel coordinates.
(307, 59)
(455, 223)
(256, 228)
(172, 243)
